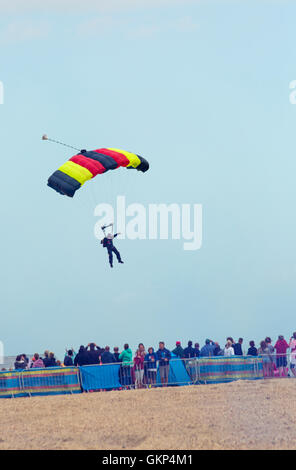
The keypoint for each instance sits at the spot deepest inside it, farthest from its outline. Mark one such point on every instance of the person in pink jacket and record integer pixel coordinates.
(38, 363)
(139, 369)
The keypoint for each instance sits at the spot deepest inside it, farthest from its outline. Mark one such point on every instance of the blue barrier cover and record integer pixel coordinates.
(112, 376)
(100, 377)
(178, 374)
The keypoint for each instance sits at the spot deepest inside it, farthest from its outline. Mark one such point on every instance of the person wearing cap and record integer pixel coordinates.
(178, 351)
(107, 242)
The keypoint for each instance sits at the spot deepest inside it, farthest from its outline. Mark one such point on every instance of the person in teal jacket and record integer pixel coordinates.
(126, 358)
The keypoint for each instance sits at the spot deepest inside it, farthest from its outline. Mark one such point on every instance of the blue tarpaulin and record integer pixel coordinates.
(100, 377)
(109, 376)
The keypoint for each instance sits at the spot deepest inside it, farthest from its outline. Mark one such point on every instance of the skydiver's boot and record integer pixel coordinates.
(120, 261)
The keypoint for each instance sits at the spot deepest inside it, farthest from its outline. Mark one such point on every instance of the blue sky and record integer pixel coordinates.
(199, 88)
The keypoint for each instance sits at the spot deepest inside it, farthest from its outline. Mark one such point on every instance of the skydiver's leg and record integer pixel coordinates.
(110, 258)
(117, 254)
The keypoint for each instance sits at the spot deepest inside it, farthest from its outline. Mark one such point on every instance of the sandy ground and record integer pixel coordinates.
(239, 415)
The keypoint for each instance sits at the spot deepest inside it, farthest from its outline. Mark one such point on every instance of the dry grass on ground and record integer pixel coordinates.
(238, 415)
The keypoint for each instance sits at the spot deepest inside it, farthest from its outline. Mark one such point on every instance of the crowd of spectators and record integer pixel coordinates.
(141, 367)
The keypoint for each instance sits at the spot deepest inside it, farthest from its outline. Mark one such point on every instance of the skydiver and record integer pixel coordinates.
(107, 242)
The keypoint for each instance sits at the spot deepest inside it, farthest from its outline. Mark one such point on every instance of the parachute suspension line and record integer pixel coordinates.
(44, 137)
(105, 226)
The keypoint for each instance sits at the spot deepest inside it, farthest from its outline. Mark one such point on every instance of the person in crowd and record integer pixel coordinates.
(232, 341)
(229, 350)
(267, 360)
(51, 361)
(281, 347)
(190, 361)
(94, 353)
(38, 362)
(178, 351)
(82, 358)
(20, 362)
(197, 350)
(150, 368)
(292, 346)
(238, 350)
(139, 369)
(163, 356)
(126, 358)
(141, 349)
(271, 349)
(116, 354)
(68, 360)
(189, 352)
(59, 364)
(107, 357)
(45, 359)
(208, 349)
(292, 342)
(31, 362)
(217, 350)
(26, 359)
(268, 342)
(252, 351)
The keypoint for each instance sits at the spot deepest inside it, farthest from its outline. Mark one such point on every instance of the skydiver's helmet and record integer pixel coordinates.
(110, 236)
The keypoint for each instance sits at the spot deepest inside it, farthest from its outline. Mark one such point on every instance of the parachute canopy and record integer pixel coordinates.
(88, 164)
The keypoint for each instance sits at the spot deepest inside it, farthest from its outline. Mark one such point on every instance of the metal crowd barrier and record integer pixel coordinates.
(178, 372)
(48, 381)
(191, 371)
